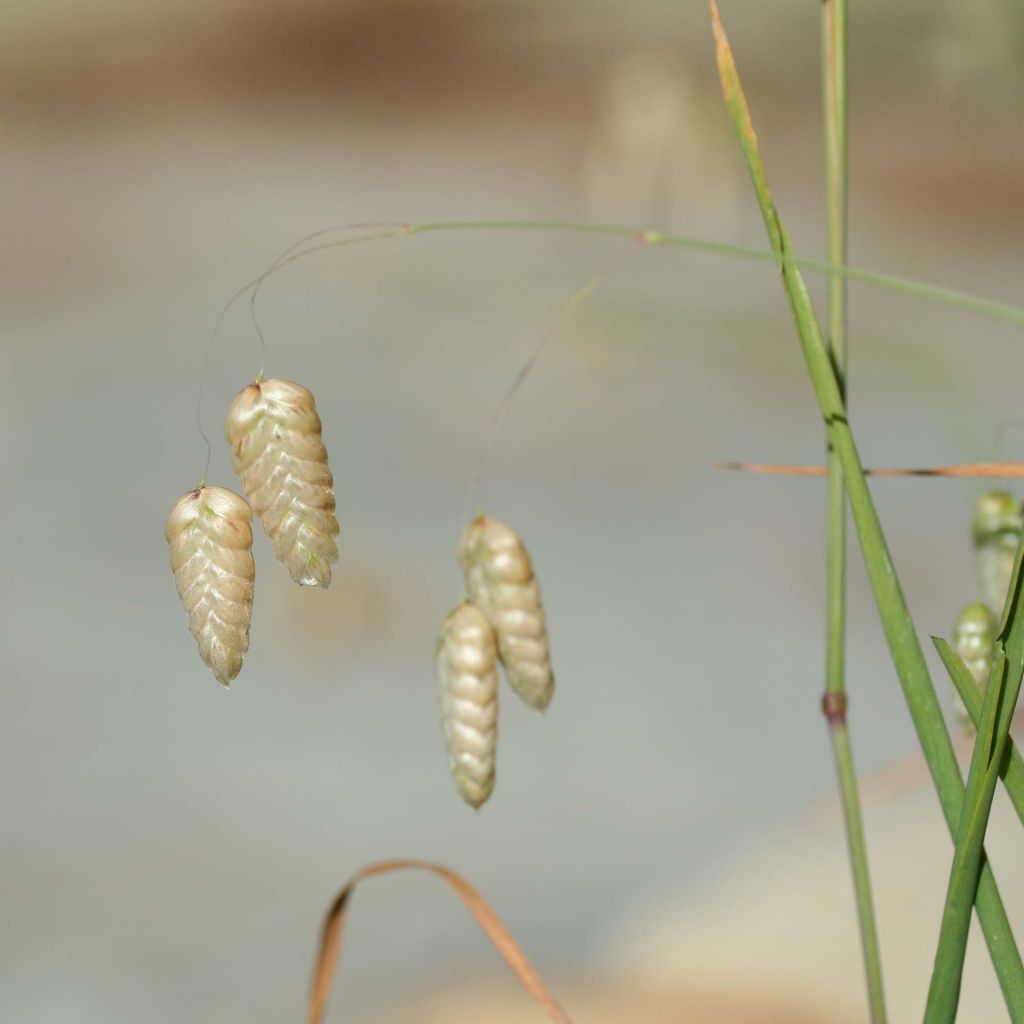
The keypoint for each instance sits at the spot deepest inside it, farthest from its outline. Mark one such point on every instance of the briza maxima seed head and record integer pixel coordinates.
(974, 638)
(500, 581)
(274, 432)
(467, 689)
(209, 532)
(996, 528)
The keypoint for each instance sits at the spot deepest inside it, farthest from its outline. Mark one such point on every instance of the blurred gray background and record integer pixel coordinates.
(169, 846)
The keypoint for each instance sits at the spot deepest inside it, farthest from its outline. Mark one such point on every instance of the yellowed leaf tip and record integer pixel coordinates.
(716, 26)
(723, 52)
(728, 75)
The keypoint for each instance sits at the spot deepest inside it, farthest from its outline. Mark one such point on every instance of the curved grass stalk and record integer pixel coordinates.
(331, 934)
(953, 297)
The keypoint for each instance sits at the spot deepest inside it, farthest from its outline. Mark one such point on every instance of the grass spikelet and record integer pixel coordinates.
(209, 532)
(974, 638)
(500, 581)
(467, 690)
(273, 429)
(996, 528)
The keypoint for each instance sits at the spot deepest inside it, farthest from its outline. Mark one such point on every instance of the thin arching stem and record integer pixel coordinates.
(891, 282)
(568, 311)
(396, 229)
(253, 287)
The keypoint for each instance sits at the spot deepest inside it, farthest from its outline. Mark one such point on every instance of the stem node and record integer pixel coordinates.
(833, 707)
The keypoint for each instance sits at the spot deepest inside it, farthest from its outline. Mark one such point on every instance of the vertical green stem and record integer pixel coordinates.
(892, 605)
(834, 105)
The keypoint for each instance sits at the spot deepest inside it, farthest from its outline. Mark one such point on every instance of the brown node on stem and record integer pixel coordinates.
(833, 707)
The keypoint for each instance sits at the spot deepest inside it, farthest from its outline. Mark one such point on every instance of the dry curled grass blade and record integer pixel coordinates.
(993, 470)
(330, 937)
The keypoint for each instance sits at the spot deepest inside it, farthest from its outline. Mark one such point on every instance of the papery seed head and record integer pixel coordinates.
(274, 432)
(209, 534)
(996, 529)
(996, 512)
(466, 661)
(974, 637)
(500, 581)
(976, 620)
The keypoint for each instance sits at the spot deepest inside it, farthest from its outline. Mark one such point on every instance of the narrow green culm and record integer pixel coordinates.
(967, 688)
(834, 18)
(1002, 690)
(892, 282)
(989, 760)
(904, 645)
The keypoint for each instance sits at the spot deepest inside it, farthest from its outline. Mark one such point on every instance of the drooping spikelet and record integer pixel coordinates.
(974, 637)
(209, 532)
(467, 688)
(274, 432)
(500, 581)
(996, 527)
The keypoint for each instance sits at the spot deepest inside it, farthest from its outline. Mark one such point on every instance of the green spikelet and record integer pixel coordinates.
(974, 637)
(996, 527)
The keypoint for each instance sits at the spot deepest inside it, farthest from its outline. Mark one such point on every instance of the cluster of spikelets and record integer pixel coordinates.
(274, 431)
(502, 619)
(996, 529)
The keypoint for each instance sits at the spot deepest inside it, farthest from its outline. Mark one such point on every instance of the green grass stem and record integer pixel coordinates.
(988, 762)
(1012, 770)
(992, 758)
(834, 19)
(897, 624)
(1003, 311)
(944, 990)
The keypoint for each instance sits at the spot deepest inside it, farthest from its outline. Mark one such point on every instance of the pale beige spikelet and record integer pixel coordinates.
(500, 581)
(274, 432)
(467, 689)
(209, 532)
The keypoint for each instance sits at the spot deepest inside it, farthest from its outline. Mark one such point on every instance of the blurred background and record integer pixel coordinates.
(664, 842)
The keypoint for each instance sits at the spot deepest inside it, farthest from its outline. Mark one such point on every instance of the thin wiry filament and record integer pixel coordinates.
(907, 286)
(282, 259)
(1004, 311)
(287, 256)
(569, 310)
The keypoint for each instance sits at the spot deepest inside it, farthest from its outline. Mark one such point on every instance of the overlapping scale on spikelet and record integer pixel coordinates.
(467, 681)
(209, 532)
(974, 637)
(274, 433)
(500, 581)
(996, 528)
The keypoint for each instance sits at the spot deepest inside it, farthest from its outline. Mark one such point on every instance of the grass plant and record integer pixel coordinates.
(966, 808)
(966, 814)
